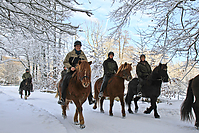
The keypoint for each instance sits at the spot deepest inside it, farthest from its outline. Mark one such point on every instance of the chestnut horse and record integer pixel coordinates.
(189, 102)
(78, 90)
(115, 88)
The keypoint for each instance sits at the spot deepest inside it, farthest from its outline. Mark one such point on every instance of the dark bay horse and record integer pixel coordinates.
(189, 102)
(78, 90)
(115, 88)
(151, 89)
(25, 85)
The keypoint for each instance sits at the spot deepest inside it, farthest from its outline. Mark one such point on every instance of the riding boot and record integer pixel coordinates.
(103, 86)
(139, 87)
(64, 87)
(90, 98)
(139, 92)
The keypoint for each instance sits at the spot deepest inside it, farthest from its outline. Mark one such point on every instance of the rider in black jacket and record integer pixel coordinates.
(110, 68)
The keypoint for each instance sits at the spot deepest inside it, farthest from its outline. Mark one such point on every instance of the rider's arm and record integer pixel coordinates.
(138, 71)
(66, 61)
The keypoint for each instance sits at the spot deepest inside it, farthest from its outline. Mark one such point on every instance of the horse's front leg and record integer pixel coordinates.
(111, 106)
(25, 95)
(122, 104)
(79, 110)
(64, 111)
(154, 106)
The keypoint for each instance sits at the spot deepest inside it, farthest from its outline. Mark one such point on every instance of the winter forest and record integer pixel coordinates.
(37, 34)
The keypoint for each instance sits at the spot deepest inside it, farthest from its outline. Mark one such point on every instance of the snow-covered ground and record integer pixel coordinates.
(41, 114)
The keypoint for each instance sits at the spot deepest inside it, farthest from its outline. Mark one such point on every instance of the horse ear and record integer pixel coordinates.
(125, 64)
(130, 64)
(79, 62)
(90, 62)
(160, 64)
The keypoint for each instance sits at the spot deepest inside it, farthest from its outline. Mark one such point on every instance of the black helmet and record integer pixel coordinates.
(142, 55)
(27, 70)
(77, 43)
(110, 53)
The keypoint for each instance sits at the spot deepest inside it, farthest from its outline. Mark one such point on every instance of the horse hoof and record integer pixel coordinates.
(146, 112)
(76, 123)
(64, 116)
(25, 97)
(111, 114)
(136, 110)
(94, 107)
(102, 111)
(157, 116)
(82, 126)
(123, 115)
(130, 111)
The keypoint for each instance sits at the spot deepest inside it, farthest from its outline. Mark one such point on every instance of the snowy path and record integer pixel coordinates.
(41, 114)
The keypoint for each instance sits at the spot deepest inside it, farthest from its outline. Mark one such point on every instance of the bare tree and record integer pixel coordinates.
(174, 28)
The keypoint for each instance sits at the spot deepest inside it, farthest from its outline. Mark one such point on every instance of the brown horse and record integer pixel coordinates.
(78, 90)
(115, 88)
(189, 103)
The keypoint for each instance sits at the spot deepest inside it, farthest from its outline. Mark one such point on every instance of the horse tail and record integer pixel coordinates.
(186, 108)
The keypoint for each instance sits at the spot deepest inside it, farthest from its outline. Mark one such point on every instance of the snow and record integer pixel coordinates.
(41, 114)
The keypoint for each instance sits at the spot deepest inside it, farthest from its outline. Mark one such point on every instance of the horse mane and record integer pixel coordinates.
(81, 63)
(123, 66)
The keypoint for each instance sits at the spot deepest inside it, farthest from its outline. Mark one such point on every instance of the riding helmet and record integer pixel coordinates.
(77, 43)
(142, 55)
(110, 53)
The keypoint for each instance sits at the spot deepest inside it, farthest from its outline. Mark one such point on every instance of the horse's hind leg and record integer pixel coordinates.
(111, 106)
(136, 103)
(122, 104)
(196, 111)
(101, 104)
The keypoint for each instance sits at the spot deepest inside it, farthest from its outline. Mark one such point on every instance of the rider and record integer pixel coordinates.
(110, 68)
(143, 70)
(70, 62)
(25, 76)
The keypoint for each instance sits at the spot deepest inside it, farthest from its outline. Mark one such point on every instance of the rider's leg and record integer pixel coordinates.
(64, 86)
(104, 84)
(139, 87)
(90, 97)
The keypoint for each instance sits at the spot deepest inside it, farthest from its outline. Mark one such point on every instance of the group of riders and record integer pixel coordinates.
(143, 69)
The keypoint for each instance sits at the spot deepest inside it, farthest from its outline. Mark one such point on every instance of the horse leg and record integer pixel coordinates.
(101, 104)
(79, 110)
(136, 104)
(196, 110)
(64, 111)
(76, 117)
(28, 93)
(111, 106)
(122, 104)
(25, 95)
(148, 110)
(154, 106)
(128, 102)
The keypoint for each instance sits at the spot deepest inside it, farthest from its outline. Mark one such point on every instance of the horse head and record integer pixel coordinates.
(124, 71)
(161, 72)
(84, 72)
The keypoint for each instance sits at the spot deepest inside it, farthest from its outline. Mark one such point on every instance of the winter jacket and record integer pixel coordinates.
(26, 75)
(143, 69)
(72, 59)
(110, 66)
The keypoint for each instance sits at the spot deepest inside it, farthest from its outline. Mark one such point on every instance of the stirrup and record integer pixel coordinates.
(139, 94)
(61, 101)
(100, 94)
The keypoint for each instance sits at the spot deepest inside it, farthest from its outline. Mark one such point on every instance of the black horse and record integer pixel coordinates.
(25, 85)
(189, 102)
(150, 89)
